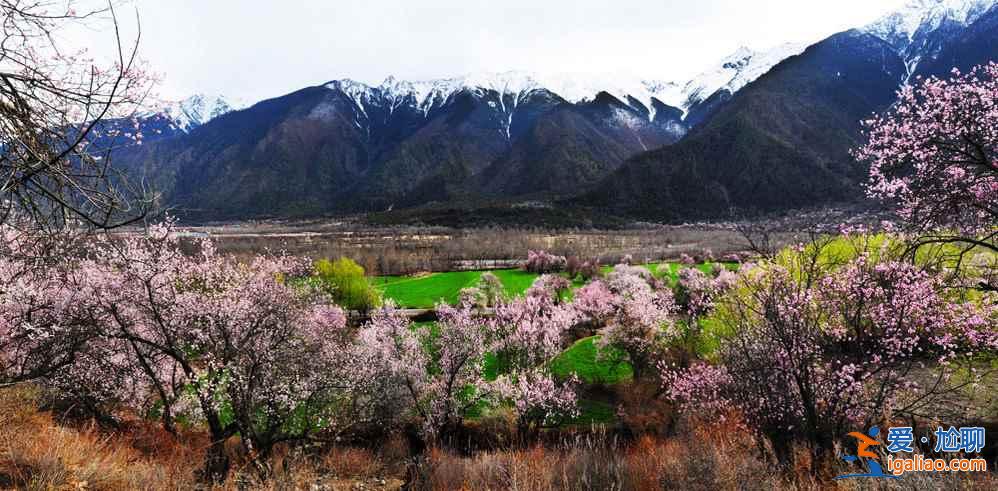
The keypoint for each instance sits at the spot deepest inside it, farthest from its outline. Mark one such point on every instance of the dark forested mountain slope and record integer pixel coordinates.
(325, 149)
(780, 143)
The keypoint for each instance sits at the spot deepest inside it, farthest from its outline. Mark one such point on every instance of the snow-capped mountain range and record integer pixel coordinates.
(913, 30)
(916, 28)
(901, 25)
(765, 131)
(730, 74)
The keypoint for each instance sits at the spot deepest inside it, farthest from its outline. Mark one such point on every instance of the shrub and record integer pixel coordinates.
(587, 269)
(542, 262)
(346, 283)
(634, 315)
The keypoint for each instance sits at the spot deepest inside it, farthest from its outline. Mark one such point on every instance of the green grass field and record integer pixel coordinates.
(585, 360)
(423, 292)
(426, 291)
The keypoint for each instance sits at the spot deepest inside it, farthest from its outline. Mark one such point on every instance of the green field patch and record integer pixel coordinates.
(591, 364)
(423, 292)
(515, 281)
(426, 291)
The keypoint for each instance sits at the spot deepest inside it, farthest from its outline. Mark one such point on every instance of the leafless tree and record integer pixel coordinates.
(61, 115)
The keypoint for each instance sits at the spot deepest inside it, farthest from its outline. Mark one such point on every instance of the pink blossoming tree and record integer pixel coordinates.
(43, 321)
(538, 399)
(632, 312)
(526, 333)
(544, 262)
(935, 155)
(62, 112)
(695, 293)
(438, 371)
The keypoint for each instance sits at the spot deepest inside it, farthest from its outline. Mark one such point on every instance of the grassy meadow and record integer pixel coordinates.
(423, 291)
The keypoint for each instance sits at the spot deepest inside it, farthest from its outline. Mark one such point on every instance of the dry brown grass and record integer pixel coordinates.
(716, 456)
(597, 461)
(37, 452)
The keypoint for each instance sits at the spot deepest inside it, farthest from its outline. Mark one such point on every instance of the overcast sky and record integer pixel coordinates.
(254, 49)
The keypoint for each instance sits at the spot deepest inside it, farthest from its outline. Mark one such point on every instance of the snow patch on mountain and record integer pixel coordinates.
(917, 29)
(198, 109)
(734, 72)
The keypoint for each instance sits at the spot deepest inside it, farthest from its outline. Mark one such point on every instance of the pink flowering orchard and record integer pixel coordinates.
(633, 312)
(437, 373)
(496, 280)
(813, 353)
(527, 333)
(201, 336)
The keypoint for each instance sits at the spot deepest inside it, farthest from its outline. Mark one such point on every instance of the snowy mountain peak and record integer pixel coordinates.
(742, 53)
(899, 27)
(645, 95)
(198, 109)
(733, 72)
(919, 29)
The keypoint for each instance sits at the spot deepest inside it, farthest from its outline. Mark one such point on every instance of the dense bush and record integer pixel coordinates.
(542, 262)
(586, 269)
(345, 281)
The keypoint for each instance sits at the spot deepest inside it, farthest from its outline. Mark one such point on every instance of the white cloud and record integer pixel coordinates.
(256, 49)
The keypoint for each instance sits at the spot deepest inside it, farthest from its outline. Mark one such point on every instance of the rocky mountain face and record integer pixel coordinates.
(759, 131)
(780, 143)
